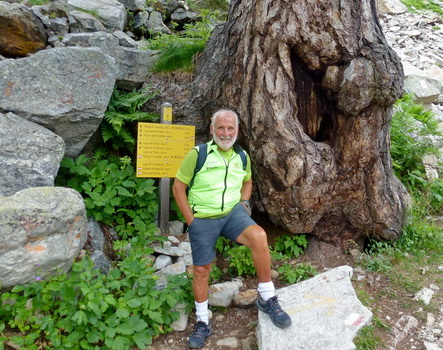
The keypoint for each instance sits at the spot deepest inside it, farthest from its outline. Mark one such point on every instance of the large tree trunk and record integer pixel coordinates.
(313, 82)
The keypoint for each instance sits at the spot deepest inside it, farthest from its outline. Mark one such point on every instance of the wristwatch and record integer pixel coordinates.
(246, 202)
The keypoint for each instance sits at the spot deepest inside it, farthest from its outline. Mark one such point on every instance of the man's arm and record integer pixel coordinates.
(179, 191)
(246, 190)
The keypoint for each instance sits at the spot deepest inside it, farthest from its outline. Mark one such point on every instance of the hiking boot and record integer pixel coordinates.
(278, 317)
(199, 335)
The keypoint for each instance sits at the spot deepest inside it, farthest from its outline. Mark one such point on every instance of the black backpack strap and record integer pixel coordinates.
(202, 151)
(241, 152)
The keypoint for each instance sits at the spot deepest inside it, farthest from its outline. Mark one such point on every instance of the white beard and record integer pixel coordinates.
(225, 143)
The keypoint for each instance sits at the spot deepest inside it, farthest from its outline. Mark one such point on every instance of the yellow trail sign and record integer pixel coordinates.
(161, 148)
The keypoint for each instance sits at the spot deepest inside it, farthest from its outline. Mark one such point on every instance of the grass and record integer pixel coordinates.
(423, 5)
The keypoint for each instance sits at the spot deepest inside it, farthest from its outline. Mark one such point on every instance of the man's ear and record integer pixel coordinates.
(211, 129)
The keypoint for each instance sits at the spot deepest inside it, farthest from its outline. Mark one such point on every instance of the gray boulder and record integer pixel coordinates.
(325, 312)
(42, 230)
(66, 90)
(134, 5)
(30, 154)
(82, 22)
(150, 23)
(110, 12)
(133, 65)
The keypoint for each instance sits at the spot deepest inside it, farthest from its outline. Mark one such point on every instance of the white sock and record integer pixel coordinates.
(266, 290)
(201, 311)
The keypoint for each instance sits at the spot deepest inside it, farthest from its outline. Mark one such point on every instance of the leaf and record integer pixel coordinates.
(134, 303)
(123, 191)
(122, 313)
(155, 316)
(142, 340)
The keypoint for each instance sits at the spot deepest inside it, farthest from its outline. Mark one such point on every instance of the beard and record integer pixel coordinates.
(224, 142)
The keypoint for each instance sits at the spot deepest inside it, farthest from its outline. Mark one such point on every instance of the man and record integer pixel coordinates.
(216, 204)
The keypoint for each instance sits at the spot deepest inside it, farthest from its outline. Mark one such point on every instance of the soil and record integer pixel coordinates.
(386, 298)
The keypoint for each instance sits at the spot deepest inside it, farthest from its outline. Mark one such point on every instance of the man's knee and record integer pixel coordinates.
(202, 271)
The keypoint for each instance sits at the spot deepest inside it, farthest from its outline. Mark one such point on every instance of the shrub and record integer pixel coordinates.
(292, 246)
(88, 310)
(112, 192)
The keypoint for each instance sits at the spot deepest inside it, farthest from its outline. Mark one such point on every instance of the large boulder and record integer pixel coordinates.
(66, 90)
(30, 154)
(42, 231)
(110, 12)
(133, 64)
(22, 33)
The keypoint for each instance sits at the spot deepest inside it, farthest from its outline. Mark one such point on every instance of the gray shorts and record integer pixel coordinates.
(203, 233)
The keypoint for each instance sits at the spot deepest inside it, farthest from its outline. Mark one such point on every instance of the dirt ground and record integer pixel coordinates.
(386, 299)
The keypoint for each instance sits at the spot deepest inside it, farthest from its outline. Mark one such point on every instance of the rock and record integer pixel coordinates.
(390, 7)
(82, 22)
(150, 23)
(245, 298)
(101, 261)
(42, 230)
(403, 327)
(182, 322)
(30, 154)
(162, 261)
(231, 343)
(110, 12)
(133, 65)
(423, 90)
(66, 90)
(96, 238)
(22, 33)
(222, 294)
(134, 5)
(424, 295)
(325, 312)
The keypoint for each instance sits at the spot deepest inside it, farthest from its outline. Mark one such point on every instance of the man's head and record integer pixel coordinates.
(224, 128)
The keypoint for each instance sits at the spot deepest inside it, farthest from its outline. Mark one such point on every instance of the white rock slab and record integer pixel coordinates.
(325, 312)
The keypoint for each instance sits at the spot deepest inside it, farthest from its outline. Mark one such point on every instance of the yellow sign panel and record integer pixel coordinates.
(161, 148)
(167, 114)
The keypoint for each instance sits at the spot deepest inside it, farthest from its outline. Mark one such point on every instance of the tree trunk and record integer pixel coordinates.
(313, 82)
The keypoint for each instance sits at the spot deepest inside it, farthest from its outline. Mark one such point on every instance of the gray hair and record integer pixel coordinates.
(222, 111)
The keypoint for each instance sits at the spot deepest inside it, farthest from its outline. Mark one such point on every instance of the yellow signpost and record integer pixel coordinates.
(160, 150)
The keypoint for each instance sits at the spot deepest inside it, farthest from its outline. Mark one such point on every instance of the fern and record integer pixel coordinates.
(123, 110)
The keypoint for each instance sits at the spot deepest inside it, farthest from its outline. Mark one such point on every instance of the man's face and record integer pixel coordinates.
(225, 131)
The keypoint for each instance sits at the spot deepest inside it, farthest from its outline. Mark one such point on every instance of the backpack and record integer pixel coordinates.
(202, 150)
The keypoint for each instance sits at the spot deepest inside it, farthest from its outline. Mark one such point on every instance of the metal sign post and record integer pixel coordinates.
(165, 182)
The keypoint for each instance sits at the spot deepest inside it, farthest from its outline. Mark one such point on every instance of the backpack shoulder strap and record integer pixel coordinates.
(202, 151)
(242, 153)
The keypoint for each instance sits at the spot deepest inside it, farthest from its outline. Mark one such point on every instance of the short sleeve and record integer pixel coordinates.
(187, 166)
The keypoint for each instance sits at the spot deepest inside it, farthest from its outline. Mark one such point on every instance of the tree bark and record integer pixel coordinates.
(314, 82)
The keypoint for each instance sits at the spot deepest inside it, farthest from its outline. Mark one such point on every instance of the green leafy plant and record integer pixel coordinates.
(240, 261)
(291, 246)
(123, 111)
(112, 192)
(420, 5)
(88, 310)
(177, 51)
(293, 274)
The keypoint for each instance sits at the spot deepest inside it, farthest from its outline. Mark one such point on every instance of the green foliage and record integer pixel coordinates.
(88, 310)
(178, 50)
(37, 2)
(414, 132)
(293, 274)
(240, 261)
(112, 192)
(420, 5)
(291, 246)
(123, 111)
(178, 57)
(215, 5)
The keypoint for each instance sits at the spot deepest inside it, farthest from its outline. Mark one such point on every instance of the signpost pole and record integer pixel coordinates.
(164, 188)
